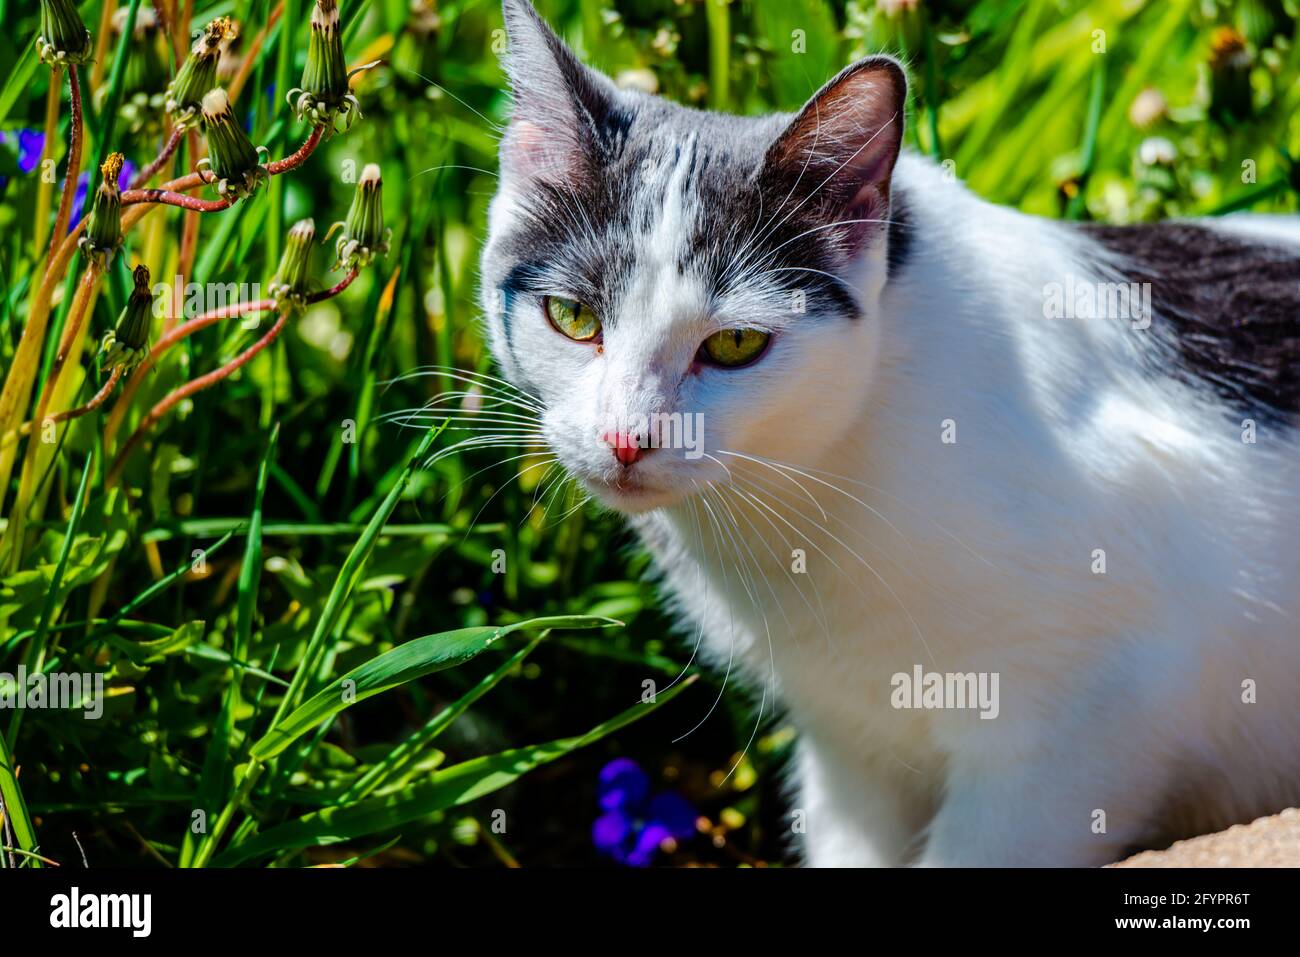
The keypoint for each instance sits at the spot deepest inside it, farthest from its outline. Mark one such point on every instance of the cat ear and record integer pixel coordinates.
(838, 153)
(561, 107)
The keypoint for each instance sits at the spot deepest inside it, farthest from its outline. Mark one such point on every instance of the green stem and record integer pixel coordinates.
(719, 17)
(15, 807)
(252, 771)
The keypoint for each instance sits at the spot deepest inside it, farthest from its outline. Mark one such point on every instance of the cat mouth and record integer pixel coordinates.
(628, 493)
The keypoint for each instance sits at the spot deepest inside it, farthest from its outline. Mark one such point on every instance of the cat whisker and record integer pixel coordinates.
(742, 253)
(786, 501)
(701, 581)
(782, 466)
(879, 491)
(738, 539)
(480, 380)
(853, 290)
(818, 616)
(758, 606)
(830, 177)
(435, 169)
(520, 473)
(865, 564)
(731, 644)
(548, 484)
(496, 128)
(476, 442)
(824, 226)
(774, 467)
(431, 412)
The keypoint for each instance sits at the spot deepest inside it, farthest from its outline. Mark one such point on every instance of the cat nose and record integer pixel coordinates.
(626, 448)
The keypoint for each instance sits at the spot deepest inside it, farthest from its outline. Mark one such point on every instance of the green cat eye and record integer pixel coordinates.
(576, 320)
(734, 347)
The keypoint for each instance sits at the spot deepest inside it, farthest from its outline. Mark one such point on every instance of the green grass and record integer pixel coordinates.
(325, 637)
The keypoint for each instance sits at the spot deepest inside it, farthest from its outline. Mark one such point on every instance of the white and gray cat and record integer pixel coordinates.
(1016, 551)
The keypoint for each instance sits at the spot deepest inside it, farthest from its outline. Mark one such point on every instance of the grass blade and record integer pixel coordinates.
(404, 663)
(456, 785)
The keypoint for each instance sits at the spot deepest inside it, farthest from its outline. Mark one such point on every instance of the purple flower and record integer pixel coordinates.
(83, 187)
(634, 823)
(31, 144)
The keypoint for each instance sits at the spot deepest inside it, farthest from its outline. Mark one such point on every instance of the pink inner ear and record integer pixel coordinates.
(530, 151)
(870, 207)
(859, 132)
(849, 134)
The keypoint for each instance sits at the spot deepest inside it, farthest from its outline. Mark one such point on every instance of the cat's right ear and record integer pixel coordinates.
(561, 107)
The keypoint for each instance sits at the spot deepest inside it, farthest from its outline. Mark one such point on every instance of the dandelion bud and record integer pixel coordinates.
(291, 284)
(363, 234)
(127, 345)
(103, 236)
(1230, 64)
(198, 74)
(324, 93)
(64, 39)
(232, 158)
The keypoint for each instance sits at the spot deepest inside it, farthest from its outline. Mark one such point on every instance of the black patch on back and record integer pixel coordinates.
(1229, 305)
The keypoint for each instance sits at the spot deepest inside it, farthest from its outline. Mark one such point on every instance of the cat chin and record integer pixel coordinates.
(631, 499)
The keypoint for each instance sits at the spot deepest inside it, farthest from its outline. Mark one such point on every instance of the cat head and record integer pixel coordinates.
(679, 288)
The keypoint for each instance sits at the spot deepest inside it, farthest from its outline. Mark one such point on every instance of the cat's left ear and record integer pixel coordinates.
(838, 153)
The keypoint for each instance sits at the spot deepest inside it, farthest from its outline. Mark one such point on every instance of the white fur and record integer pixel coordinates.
(1121, 692)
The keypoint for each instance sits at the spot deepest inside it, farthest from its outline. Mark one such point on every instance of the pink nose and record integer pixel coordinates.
(626, 448)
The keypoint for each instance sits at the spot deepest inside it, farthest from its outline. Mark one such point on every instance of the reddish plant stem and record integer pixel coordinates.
(169, 197)
(76, 317)
(294, 160)
(187, 390)
(165, 342)
(169, 148)
(98, 399)
(95, 402)
(74, 167)
(168, 402)
(189, 235)
(333, 290)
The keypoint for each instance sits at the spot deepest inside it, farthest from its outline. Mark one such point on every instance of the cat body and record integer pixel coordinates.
(930, 481)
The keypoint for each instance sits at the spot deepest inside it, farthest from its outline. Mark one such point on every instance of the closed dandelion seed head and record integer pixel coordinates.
(1230, 65)
(127, 344)
(364, 234)
(198, 74)
(292, 281)
(64, 39)
(232, 158)
(103, 235)
(324, 95)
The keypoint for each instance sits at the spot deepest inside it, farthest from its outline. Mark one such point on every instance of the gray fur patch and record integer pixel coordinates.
(1229, 307)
